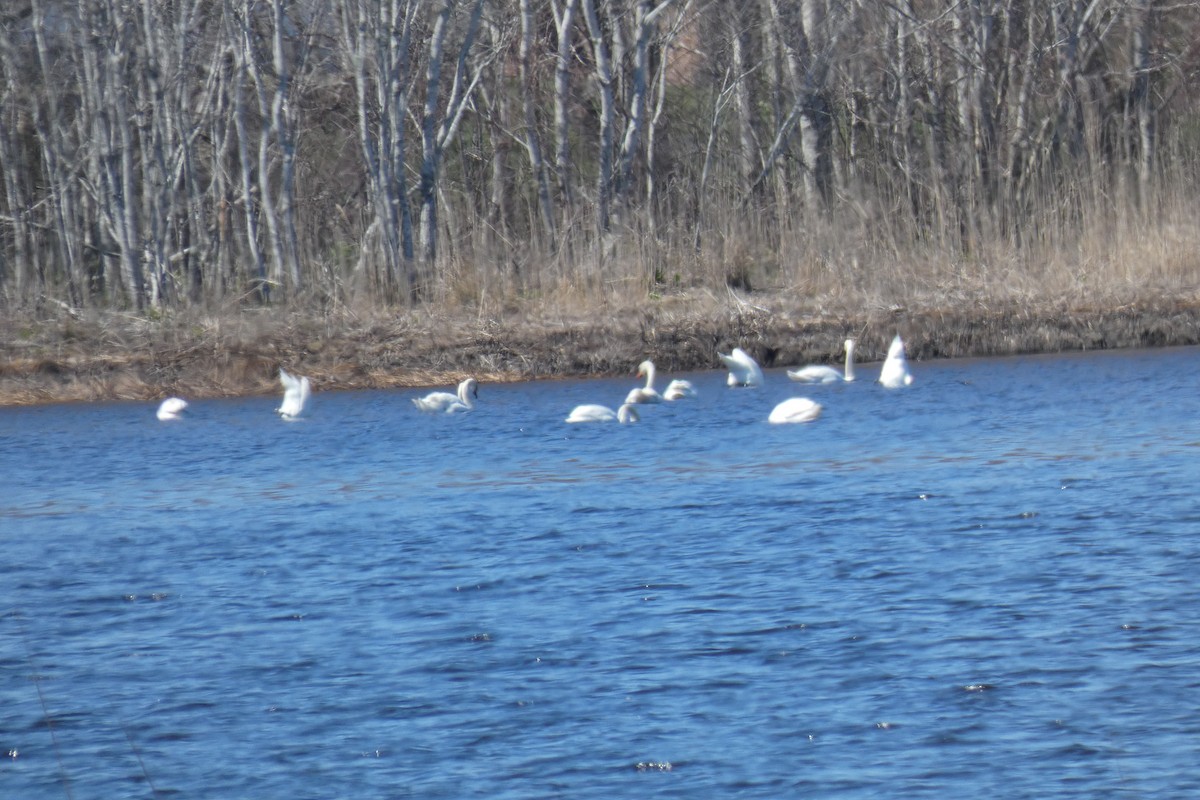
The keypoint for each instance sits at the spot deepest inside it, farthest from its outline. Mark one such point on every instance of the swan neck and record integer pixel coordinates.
(464, 395)
(850, 361)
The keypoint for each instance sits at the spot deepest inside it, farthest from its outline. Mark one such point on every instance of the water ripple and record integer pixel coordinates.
(969, 588)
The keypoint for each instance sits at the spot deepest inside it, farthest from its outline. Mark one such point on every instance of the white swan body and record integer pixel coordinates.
(678, 389)
(743, 370)
(171, 408)
(894, 373)
(795, 409)
(597, 413)
(446, 402)
(296, 391)
(647, 393)
(820, 373)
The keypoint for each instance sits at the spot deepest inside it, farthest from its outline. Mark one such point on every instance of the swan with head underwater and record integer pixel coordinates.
(743, 370)
(821, 373)
(296, 391)
(679, 389)
(895, 372)
(438, 402)
(592, 412)
(793, 410)
(171, 408)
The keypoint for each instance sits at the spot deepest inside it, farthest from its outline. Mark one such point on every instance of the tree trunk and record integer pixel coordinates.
(19, 271)
(604, 78)
(1143, 133)
(50, 128)
(644, 22)
(377, 39)
(275, 127)
(530, 136)
(565, 24)
(743, 70)
(262, 283)
(438, 129)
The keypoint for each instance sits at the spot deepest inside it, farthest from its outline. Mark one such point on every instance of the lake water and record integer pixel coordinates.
(983, 585)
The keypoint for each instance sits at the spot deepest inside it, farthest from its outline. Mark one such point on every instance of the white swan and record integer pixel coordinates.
(647, 393)
(171, 408)
(678, 389)
(295, 395)
(795, 409)
(820, 373)
(743, 370)
(450, 403)
(894, 373)
(596, 413)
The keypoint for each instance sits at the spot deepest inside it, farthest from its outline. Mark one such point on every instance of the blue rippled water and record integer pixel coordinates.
(982, 585)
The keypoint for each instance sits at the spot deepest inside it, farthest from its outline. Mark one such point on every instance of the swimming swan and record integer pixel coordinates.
(596, 413)
(820, 373)
(296, 391)
(678, 389)
(450, 403)
(172, 408)
(894, 373)
(647, 393)
(795, 409)
(743, 370)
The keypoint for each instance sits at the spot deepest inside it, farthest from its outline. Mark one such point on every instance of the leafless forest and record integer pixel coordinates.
(392, 153)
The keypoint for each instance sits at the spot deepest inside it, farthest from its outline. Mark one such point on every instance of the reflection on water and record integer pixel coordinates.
(979, 585)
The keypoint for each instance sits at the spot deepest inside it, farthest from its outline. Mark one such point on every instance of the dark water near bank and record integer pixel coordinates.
(985, 585)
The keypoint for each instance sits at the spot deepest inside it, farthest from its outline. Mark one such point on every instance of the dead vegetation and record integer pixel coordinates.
(106, 356)
(789, 296)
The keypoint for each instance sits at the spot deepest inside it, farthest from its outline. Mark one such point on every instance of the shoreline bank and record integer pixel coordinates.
(119, 357)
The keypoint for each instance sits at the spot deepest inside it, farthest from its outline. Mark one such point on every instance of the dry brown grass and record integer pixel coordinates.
(788, 292)
(115, 357)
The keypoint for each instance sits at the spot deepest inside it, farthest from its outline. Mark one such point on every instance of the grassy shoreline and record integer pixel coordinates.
(74, 357)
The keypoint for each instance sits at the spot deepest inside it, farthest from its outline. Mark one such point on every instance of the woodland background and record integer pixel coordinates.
(389, 154)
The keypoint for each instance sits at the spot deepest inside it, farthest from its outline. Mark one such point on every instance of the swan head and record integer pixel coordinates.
(647, 393)
(468, 388)
(647, 368)
(627, 414)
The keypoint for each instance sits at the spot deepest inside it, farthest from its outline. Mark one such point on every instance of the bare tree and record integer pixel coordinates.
(531, 135)
(809, 36)
(17, 261)
(278, 128)
(602, 61)
(109, 106)
(254, 149)
(1141, 128)
(564, 21)
(645, 22)
(439, 123)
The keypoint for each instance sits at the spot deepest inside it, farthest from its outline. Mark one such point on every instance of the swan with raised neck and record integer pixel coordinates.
(822, 373)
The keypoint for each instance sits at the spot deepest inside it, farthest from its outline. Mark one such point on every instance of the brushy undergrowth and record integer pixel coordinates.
(787, 294)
